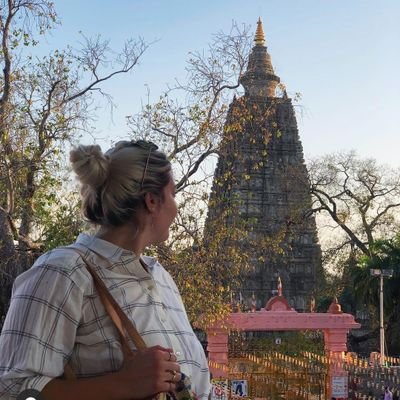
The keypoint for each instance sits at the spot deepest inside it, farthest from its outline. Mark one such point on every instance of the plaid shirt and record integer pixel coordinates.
(56, 316)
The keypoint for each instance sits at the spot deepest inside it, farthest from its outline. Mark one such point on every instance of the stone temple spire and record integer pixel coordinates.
(259, 80)
(260, 186)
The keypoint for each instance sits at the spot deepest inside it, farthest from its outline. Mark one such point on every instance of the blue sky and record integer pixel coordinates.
(343, 56)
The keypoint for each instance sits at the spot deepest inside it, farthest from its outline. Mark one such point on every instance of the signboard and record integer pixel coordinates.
(339, 387)
(219, 389)
(239, 388)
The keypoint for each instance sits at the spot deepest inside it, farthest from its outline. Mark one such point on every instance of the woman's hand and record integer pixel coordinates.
(145, 374)
(149, 372)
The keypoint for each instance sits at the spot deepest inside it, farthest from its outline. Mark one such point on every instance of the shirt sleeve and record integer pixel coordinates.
(39, 331)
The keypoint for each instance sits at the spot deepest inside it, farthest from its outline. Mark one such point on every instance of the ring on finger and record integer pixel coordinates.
(173, 372)
(171, 354)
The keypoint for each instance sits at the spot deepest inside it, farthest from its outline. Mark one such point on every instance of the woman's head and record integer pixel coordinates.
(114, 184)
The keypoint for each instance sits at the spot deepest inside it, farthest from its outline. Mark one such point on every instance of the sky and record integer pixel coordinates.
(342, 56)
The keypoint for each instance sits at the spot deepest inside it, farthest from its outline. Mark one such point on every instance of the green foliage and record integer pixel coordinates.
(202, 275)
(357, 205)
(386, 255)
(190, 131)
(59, 219)
(290, 343)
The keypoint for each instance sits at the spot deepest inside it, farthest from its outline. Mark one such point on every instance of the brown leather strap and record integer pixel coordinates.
(69, 373)
(119, 318)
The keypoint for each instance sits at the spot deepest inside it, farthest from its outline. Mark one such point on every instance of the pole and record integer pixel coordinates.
(381, 329)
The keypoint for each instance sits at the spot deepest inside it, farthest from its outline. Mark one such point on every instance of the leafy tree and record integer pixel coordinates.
(292, 343)
(188, 122)
(62, 224)
(357, 201)
(386, 255)
(44, 103)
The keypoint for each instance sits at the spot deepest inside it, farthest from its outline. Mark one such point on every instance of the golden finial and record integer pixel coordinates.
(259, 37)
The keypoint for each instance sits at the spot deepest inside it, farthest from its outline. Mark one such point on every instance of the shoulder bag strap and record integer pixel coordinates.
(119, 318)
(121, 321)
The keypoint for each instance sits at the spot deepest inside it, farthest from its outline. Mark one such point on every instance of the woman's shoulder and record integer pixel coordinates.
(60, 265)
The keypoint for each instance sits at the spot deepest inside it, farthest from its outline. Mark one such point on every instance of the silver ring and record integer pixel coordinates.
(170, 356)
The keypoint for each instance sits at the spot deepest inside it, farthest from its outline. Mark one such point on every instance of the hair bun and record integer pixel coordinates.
(90, 165)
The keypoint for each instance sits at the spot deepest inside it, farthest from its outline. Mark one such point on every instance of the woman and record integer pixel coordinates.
(56, 316)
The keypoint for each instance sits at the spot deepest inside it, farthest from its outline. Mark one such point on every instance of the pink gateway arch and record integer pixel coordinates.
(279, 316)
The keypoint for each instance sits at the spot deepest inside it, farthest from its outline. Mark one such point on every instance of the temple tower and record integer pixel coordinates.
(262, 179)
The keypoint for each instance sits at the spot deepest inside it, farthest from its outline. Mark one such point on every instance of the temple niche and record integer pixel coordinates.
(262, 180)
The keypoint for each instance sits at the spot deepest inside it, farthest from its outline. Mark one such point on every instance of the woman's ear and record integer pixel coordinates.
(152, 201)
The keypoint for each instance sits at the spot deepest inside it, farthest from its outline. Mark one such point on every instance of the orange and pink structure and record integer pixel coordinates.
(279, 316)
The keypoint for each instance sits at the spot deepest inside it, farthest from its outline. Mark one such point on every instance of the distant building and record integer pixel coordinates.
(262, 177)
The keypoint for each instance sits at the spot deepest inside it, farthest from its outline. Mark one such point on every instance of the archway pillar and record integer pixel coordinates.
(335, 347)
(335, 340)
(218, 351)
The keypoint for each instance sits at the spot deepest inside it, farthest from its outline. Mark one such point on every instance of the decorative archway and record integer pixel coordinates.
(279, 316)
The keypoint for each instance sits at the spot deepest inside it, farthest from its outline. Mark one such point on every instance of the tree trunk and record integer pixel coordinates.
(9, 260)
(27, 206)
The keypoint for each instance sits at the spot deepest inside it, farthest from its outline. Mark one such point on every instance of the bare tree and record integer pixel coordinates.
(188, 121)
(358, 197)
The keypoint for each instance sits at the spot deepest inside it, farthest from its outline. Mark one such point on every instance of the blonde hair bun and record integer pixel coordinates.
(90, 165)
